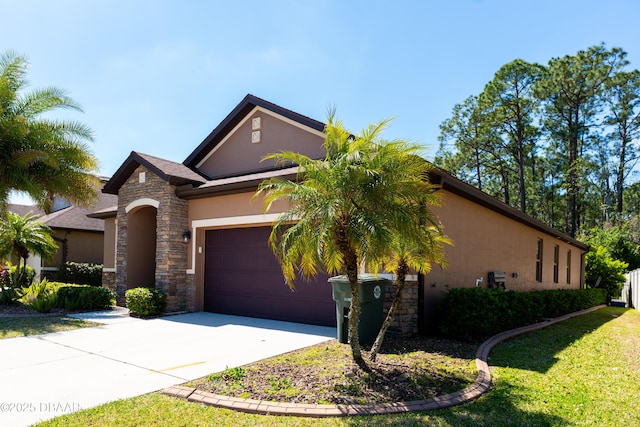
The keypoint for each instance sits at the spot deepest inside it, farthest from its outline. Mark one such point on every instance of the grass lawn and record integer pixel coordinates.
(11, 327)
(584, 371)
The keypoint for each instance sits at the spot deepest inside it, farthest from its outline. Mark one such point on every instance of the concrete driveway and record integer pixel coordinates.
(44, 376)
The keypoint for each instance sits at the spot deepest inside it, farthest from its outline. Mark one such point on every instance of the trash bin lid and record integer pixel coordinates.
(362, 278)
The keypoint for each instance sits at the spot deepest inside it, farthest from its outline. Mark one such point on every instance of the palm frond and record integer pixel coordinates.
(39, 156)
(39, 101)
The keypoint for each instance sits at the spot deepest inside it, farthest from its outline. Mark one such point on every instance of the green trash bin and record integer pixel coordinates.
(371, 290)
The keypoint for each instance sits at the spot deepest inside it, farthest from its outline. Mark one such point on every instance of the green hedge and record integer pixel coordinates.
(478, 312)
(145, 302)
(80, 272)
(84, 297)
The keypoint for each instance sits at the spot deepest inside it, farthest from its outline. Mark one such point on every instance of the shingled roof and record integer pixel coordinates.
(72, 217)
(22, 210)
(172, 172)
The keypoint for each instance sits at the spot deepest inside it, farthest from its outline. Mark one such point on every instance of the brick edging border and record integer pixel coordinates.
(479, 387)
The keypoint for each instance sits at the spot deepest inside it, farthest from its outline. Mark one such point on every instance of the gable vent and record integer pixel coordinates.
(256, 126)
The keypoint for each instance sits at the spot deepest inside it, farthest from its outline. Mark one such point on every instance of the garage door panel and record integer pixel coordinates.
(243, 277)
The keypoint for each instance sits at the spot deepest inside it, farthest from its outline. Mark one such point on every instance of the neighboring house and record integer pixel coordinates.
(195, 230)
(79, 238)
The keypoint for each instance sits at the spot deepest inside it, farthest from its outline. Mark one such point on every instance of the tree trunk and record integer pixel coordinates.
(620, 176)
(572, 178)
(521, 180)
(354, 321)
(401, 273)
(350, 264)
(21, 271)
(478, 174)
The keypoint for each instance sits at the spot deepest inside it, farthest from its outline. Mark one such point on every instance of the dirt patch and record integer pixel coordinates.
(17, 309)
(407, 369)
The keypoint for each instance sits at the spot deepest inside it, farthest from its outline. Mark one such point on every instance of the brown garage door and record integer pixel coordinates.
(243, 277)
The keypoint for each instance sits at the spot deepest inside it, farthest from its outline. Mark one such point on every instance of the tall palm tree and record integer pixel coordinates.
(22, 236)
(42, 157)
(346, 207)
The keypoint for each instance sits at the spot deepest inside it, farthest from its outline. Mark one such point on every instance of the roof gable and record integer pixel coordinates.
(239, 116)
(258, 134)
(172, 172)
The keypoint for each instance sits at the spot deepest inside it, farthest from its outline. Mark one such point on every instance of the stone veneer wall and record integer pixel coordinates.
(109, 282)
(190, 293)
(405, 320)
(171, 252)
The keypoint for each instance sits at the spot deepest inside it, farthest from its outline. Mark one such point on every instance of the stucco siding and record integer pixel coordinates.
(484, 241)
(110, 243)
(230, 205)
(82, 246)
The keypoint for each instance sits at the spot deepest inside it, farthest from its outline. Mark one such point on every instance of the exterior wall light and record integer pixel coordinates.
(186, 236)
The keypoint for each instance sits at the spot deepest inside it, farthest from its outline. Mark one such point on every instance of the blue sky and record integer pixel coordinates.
(157, 76)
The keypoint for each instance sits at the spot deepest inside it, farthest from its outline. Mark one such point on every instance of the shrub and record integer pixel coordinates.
(82, 273)
(84, 297)
(41, 296)
(602, 271)
(478, 312)
(145, 302)
(8, 292)
(4, 277)
(27, 277)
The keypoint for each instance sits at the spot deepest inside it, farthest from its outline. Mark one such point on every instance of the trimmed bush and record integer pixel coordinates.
(82, 273)
(84, 297)
(145, 302)
(477, 312)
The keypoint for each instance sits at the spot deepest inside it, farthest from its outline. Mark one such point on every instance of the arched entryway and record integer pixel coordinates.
(141, 246)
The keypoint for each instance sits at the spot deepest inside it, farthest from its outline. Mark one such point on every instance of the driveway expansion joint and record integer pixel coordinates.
(477, 389)
(103, 356)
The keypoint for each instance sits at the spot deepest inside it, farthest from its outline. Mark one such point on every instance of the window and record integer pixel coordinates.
(568, 266)
(556, 258)
(539, 261)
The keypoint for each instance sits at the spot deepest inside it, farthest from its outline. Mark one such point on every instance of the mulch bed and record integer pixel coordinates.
(17, 309)
(406, 369)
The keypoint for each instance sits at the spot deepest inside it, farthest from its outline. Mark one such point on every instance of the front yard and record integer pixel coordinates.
(584, 371)
(17, 320)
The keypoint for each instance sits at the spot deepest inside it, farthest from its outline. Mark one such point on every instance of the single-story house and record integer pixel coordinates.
(79, 238)
(195, 230)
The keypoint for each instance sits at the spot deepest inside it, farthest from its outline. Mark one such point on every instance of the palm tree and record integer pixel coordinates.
(346, 207)
(24, 235)
(408, 253)
(42, 157)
